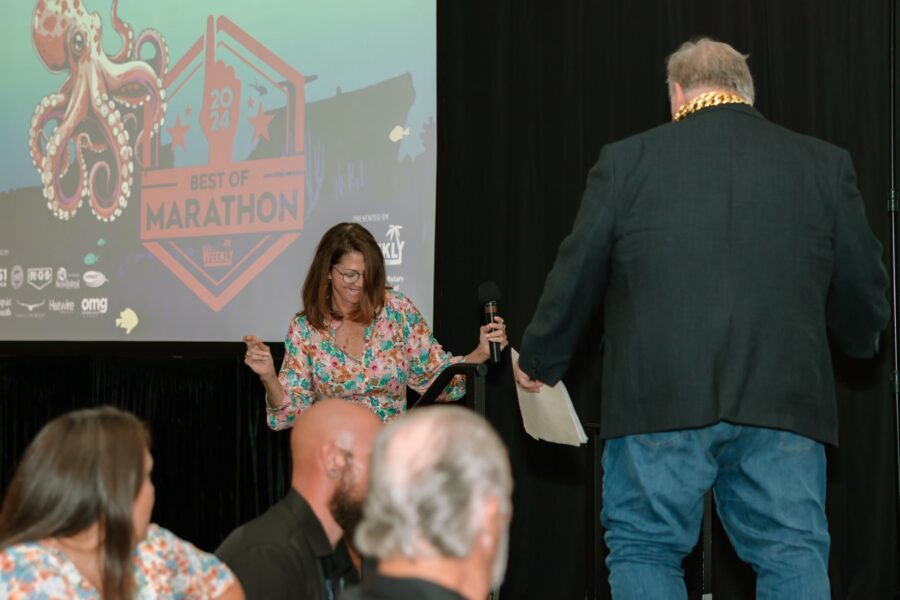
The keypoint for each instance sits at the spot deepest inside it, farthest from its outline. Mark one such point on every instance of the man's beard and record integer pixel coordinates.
(346, 507)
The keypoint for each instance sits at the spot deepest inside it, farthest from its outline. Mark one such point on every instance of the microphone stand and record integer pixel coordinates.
(892, 210)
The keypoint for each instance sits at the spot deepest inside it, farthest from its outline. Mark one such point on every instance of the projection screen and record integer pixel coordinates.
(169, 166)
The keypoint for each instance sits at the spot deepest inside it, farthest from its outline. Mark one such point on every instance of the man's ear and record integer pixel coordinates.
(334, 461)
(676, 97)
(492, 523)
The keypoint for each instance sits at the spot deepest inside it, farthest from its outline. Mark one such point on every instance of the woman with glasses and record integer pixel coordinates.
(355, 338)
(76, 520)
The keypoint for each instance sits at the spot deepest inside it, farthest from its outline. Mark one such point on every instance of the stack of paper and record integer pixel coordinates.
(549, 415)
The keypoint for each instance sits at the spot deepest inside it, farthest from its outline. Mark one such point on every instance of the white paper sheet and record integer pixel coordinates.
(549, 415)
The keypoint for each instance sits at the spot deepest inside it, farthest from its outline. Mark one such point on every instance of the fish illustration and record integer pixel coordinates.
(398, 133)
(127, 320)
(91, 259)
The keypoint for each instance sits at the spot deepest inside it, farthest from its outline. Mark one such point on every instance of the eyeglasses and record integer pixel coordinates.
(348, 276)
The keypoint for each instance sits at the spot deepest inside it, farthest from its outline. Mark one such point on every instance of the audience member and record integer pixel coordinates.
(438, 509)
(290, 551)
(75, 521)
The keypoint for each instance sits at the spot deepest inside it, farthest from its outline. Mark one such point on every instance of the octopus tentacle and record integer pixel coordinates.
(52, 166)
(118, 99)
(50, 108)
(160, 62)
(108, 206)
(136, 86)
(124, 30)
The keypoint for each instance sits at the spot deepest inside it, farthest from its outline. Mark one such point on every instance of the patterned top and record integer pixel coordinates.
(164, 567)
(399, 351)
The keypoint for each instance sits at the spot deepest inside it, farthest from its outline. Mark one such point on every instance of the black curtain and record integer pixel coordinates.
(528, 92)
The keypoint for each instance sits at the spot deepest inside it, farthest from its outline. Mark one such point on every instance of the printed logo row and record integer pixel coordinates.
(41, 277)
(89, 307)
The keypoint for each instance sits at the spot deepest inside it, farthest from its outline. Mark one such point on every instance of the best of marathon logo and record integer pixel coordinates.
(219, 225)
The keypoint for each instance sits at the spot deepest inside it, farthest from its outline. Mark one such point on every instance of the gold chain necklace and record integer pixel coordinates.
(705, 101)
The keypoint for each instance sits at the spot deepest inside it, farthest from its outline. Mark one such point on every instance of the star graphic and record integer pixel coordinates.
(260, 123)
(177, 133)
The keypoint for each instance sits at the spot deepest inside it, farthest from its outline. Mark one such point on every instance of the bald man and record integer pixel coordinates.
(289, 552)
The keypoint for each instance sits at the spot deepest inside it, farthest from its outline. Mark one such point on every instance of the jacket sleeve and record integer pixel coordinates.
(576, 282)
(857, 309)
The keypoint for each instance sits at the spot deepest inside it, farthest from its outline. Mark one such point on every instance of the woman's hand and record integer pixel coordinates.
(259, 357)
(492, 332)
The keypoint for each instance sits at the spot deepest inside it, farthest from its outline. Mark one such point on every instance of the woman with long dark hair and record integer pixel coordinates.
(355, 338)
(75, 522)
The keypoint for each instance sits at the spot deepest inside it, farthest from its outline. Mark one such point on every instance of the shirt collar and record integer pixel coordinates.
(311, 530)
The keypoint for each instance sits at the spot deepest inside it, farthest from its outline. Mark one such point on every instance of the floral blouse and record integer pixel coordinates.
(399, 351)
(165, 566)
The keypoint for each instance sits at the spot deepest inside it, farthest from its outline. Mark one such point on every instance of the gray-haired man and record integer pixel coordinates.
(722, 248)
(438, 508)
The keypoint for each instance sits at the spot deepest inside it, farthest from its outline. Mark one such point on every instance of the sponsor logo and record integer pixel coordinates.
(30, 308)
(217, 257)
(4, 276)
(236, 211)
(66, 307)
(40, 277)
(393, 248)
(370, 218)
(94, 279)
(395, 281)
(66, 280)
(17, 277)
(91, 307)
(5, 307)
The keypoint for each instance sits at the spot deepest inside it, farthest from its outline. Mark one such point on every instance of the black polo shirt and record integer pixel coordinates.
(285, 554)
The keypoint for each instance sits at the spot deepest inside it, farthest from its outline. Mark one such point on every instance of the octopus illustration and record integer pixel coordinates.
(83, 138)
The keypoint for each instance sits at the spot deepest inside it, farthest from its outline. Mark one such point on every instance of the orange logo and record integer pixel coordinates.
(217, 226)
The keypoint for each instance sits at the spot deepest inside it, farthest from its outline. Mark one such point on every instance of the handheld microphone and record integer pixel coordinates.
(489, 295)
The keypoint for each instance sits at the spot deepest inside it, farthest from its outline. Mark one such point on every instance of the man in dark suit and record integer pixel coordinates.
(289, 551)
(722, 248)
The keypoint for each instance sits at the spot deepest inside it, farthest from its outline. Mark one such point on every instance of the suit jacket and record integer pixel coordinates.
(285, 553)
(724, 249)
(379, 587)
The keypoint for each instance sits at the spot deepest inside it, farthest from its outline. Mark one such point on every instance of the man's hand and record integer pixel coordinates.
(525, 382)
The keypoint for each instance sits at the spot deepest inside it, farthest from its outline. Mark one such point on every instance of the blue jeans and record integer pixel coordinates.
(769, 487)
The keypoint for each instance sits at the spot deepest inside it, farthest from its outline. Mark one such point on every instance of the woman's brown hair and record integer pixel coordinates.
(83, 467)
(342, 239)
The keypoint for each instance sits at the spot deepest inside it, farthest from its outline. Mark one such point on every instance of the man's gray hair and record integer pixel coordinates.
(705, 62)
(431, 472)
